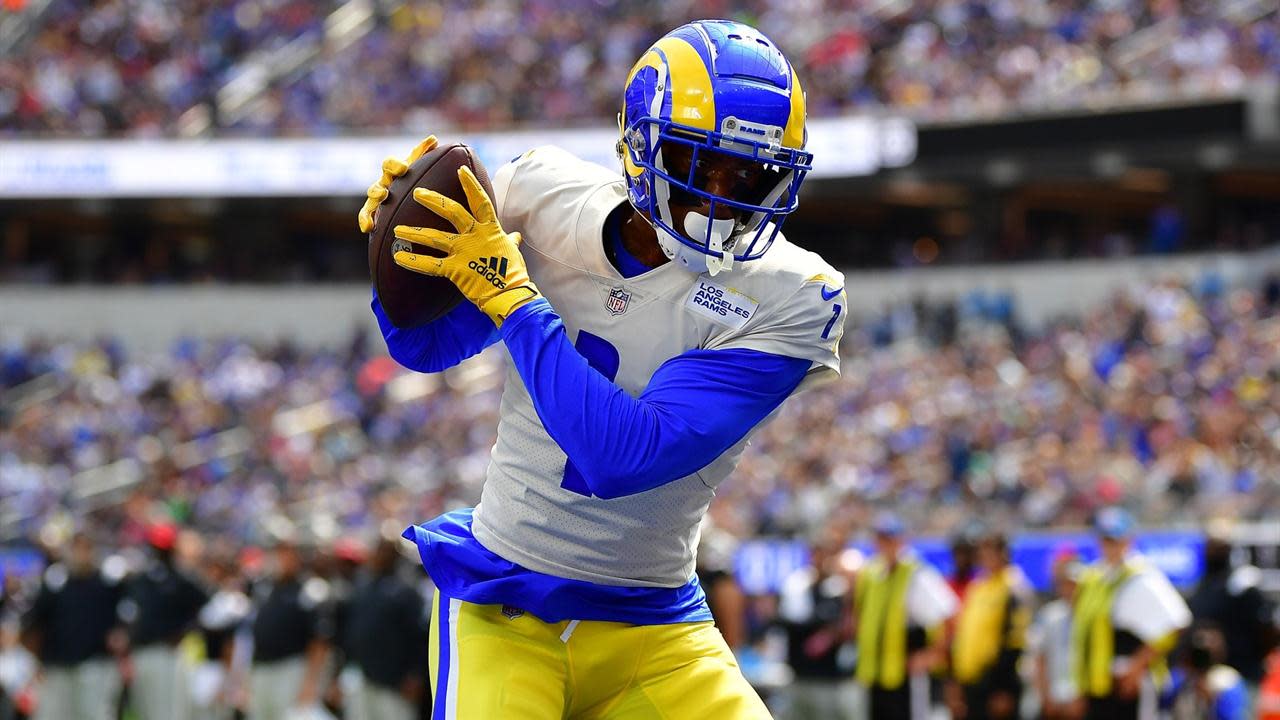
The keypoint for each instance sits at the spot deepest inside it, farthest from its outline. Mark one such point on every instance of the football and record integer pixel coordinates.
(411, 299)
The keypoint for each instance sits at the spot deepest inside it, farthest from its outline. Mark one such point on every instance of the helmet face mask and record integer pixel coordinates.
(671, 145)
(688, 167)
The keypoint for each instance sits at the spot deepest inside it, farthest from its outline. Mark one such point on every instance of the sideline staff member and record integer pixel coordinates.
(991, 634)
(162, 603)
(291, 634)
(386, 632)
(1127, 618)
(901, 603)
(71, 625)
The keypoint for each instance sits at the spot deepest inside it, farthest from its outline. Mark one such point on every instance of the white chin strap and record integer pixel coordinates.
(697, 226)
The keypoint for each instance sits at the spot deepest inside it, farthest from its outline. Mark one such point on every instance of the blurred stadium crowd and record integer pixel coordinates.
(151, 68)
(1166, 400)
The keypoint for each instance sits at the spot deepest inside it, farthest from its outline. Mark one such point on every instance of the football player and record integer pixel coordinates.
(653, 321)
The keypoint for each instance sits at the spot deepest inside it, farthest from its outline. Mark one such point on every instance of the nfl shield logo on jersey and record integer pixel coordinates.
(617, 302)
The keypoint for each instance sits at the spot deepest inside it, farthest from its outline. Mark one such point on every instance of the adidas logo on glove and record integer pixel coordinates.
(493, 269)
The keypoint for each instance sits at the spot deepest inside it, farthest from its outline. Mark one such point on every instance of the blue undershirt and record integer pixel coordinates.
(627, 264)
(634, 444)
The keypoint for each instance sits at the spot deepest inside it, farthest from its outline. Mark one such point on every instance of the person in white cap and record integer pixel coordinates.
(900, 606)
(1127, 618)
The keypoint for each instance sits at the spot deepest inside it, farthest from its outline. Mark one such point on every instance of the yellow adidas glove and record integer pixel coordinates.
(482, 259)
(392, 168)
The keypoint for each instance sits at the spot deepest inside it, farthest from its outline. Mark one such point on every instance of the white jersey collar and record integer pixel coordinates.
(589, 241)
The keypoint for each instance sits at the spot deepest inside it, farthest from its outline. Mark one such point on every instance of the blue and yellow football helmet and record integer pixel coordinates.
(713, 87)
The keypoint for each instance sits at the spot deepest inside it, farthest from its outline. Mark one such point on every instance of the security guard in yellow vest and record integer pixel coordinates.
(900, 605)
(1127, 617)
(990, 635)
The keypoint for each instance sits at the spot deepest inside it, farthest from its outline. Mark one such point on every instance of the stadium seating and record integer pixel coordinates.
(1132, 403)
(145, 68)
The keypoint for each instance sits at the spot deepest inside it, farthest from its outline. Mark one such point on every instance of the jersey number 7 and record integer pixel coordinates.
(835, 315)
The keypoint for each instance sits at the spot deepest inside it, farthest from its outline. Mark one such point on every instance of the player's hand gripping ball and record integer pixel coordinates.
(392, 168)
(479, 257)
(408, 297)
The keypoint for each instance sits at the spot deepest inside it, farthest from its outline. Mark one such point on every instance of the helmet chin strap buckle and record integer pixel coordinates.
(722, 263)
(716, 232)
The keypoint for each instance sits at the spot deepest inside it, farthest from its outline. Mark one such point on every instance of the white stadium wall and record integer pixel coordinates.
(1048, 289)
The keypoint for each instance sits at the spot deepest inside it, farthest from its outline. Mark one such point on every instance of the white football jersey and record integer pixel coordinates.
(790, 302)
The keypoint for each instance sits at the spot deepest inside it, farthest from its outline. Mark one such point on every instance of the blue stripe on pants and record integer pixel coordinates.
(441, 689)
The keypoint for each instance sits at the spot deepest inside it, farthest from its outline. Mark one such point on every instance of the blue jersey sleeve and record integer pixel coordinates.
(697, 405)
(439, 344)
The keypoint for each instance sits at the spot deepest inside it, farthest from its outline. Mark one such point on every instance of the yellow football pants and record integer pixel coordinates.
(492, 662)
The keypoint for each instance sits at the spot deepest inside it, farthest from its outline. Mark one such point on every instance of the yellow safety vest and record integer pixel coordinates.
(1093, 638)
(987, 625)
(881, 594)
